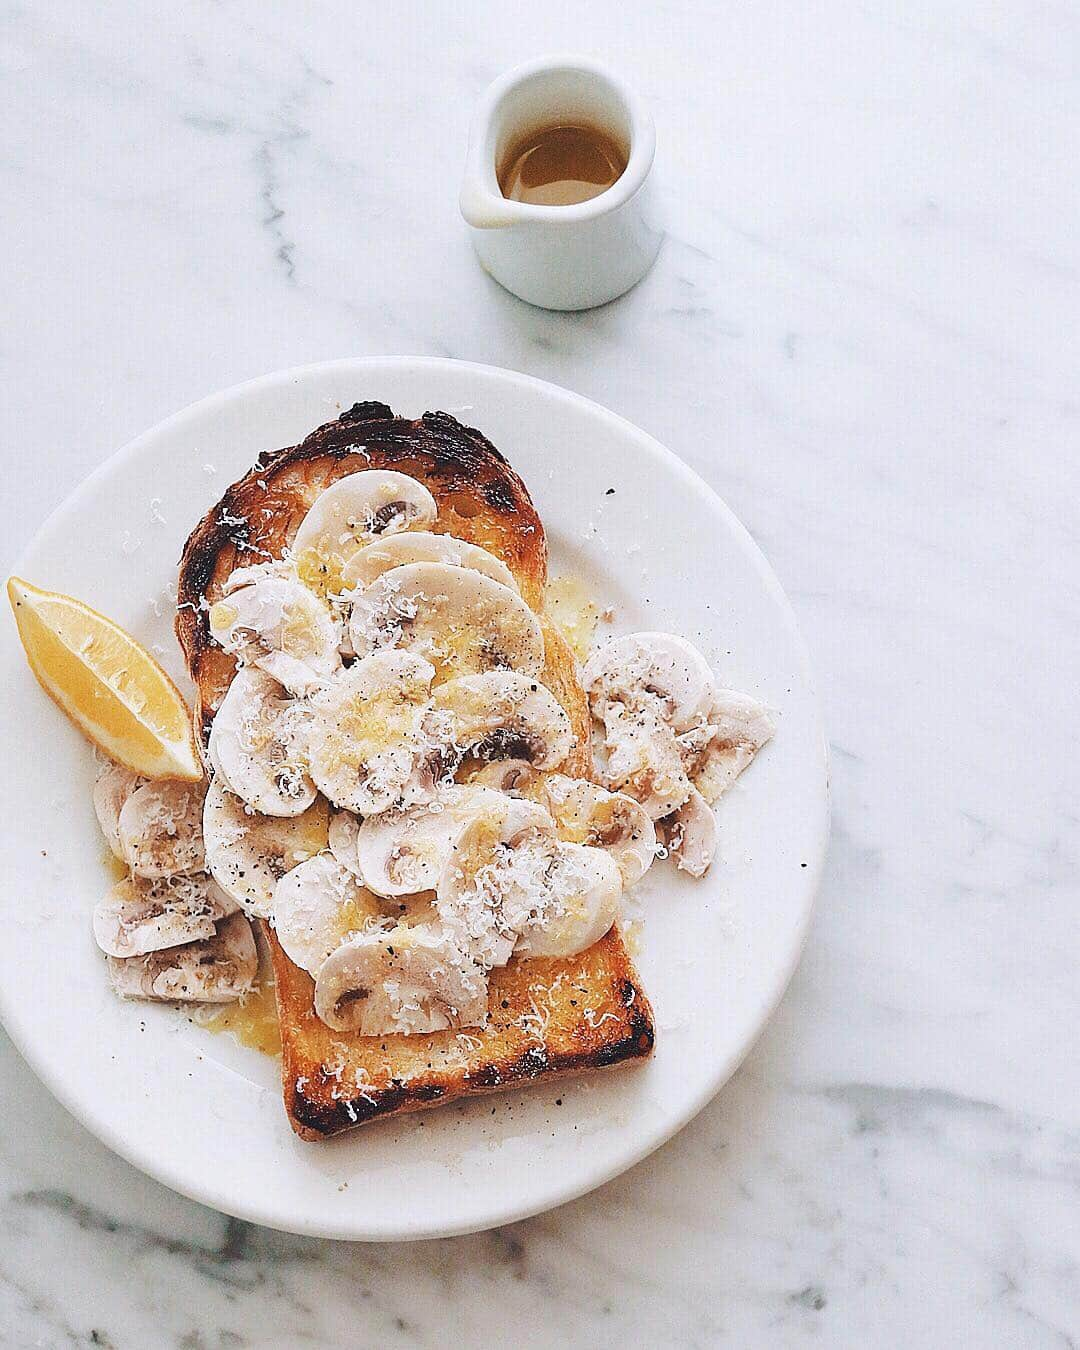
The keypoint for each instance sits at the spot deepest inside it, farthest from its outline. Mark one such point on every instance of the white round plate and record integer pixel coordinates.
(203, 1114)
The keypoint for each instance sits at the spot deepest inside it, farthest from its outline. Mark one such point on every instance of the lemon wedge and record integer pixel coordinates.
(110, 687)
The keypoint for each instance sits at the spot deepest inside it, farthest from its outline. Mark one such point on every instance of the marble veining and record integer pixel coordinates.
(862, 330)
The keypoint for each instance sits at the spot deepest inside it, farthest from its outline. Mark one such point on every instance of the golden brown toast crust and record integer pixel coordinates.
(545, 1017)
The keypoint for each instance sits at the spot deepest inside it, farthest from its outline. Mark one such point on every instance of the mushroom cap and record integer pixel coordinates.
(612, 821)
(317, 906)
(113, 785)
(578, 904)
(642, 759)
(421, 546)
(248, 853)
(401, 981)
(651, 668)
(160, 828)
(741, 726)
(692, 835)
(486, 872)
(357, 509)
(367, 748)
(584, 813)
(137, 916)
(217, 969)
(403, 852)
(461, 621)
(504, 713)
(277, 623)
(257, 745)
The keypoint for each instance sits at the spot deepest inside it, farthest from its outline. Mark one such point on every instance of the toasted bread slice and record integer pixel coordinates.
(545, 1016)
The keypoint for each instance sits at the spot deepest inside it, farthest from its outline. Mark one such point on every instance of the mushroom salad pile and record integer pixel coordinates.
(384, 786)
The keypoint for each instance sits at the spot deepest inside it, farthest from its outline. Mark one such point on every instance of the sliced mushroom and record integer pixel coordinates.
(276, 623)
(258, 745)
(402, 852)
(583, 813)
(420, 546)
(649, 690)
(367, 747)
(160, 828)
(491, 871)
(248, 853)
(139, 916)
(691, 835)
(113, 785)
(514, 885)
(341, 837)
(350, 513)
(641, 758)
(405, 981)
(459, 620)
(651, 670)
(573, 904)
(740, 727)
(316, 907)
(502, 714)
(587, 814)
(218, 969)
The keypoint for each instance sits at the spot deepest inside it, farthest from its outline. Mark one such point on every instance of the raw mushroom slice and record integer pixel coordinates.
(492, 872)
(215, 970)
(316, 907)
(691, 835)
(612, 821)
(574, 905)
(420, 546)
(258, 745)
(341, 838)
(740, 727)
(349, 514)
(367, 748)
(276, 623)
(405, 981)
(459, 620)
(583, 812)
(160, 828)
(138, 916)
(249, 853)
(501, 714)
(651, 670)
(113, 785)
(402, 852)
(692, 745)
(641, 758)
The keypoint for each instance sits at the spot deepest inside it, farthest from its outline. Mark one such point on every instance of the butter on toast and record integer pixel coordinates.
(545, 1016)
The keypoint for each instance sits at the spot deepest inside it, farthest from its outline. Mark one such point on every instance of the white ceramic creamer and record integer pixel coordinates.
(562, 257)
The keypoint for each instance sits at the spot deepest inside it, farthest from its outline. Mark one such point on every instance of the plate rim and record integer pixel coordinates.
(161, 1168)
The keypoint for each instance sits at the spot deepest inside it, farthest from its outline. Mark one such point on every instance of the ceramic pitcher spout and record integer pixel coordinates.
(483, 210)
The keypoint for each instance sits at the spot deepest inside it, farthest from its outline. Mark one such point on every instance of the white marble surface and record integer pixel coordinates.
(863, 332)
